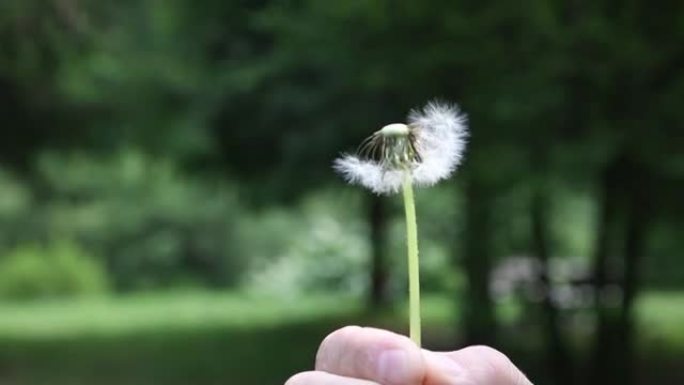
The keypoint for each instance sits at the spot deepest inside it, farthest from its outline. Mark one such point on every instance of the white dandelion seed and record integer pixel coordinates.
(430, 147)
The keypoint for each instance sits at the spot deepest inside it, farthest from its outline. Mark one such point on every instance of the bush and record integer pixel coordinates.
(15, 205)
(323, 245)
(154, 225)
(59, 269)
(318, 246)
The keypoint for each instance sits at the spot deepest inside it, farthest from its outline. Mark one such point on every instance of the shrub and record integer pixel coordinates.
(59, 269)
(154, 225)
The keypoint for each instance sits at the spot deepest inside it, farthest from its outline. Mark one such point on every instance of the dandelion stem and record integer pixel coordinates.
(413, 266)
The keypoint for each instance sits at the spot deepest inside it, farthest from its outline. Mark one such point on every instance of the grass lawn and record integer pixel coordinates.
(661, 319)
(205, 338)
(168, 311)
(166, 338)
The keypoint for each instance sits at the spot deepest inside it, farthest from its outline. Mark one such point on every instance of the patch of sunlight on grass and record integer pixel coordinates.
(661, 316)
(161, 311)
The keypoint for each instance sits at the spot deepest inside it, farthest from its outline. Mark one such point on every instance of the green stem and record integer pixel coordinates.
(413, 266)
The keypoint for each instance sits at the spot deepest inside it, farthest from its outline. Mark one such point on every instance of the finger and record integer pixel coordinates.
(371, 354)
(479, 365)
(323, 378)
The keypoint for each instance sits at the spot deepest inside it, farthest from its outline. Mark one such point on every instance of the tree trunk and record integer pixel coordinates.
(603, 355)
(559, 358)
(638, 217)
(479, 322)
(623, 234)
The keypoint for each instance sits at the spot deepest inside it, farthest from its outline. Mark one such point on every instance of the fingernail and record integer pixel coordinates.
(393, 366)
(445, 367)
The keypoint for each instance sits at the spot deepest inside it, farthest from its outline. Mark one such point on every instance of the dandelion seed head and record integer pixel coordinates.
(395, 129)
(369, 174)
(430, 147)
(441, 142)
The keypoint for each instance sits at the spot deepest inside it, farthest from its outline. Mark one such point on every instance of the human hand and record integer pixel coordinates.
(366, 356)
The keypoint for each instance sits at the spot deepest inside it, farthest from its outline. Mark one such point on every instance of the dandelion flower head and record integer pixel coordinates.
(428, 149)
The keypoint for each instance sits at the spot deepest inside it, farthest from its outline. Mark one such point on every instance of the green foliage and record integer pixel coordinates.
(153, 225)
(323, 245)
(317, 246)
(58, 269)
(146, 131)
(15, 204)
(148, 223)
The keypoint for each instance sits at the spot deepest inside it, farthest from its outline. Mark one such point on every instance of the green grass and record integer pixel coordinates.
(169, 338)
(661, 320)
(205, 338)
(194, 310)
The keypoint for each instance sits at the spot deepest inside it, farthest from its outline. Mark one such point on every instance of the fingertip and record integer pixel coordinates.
(300, 378)
(372, 354)
(323, 378)
(334, 343)
(484, 364)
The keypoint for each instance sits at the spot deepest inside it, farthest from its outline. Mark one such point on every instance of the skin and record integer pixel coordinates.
(366, 356)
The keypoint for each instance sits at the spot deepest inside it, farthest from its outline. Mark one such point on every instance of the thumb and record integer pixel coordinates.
(475, 365)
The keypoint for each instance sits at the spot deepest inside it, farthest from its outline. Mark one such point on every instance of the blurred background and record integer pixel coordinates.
(168, 213)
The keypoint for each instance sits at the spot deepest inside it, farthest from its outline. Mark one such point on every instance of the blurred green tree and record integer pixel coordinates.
(577, 96)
